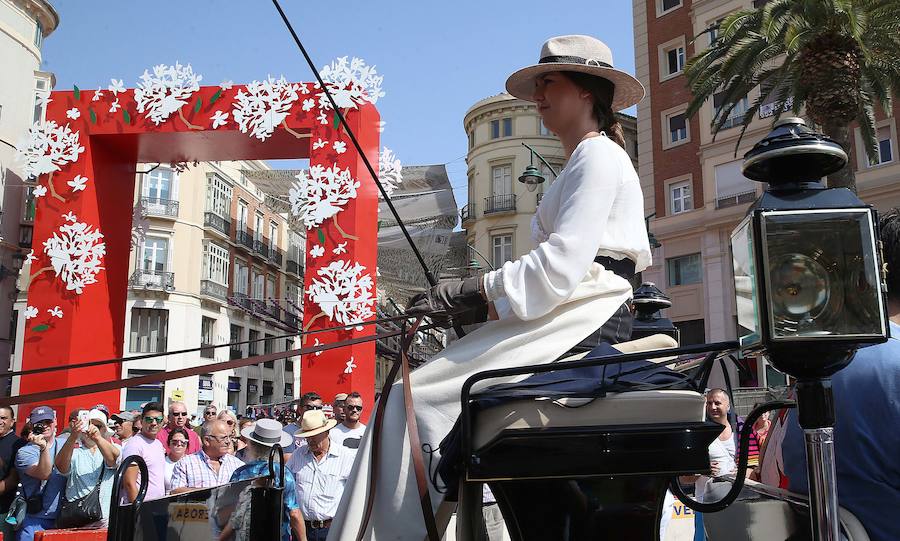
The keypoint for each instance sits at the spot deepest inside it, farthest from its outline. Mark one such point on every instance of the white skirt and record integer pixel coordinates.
(436, 386)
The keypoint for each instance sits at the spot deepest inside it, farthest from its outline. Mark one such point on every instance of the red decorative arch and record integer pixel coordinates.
(115, 136)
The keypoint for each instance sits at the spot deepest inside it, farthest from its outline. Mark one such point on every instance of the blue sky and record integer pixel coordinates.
(437, 58)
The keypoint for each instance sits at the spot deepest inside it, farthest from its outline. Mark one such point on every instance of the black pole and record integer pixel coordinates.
(432, 281)
(428, 276)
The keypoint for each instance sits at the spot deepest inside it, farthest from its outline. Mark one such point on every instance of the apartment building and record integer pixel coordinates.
(24, 24)
(497, 218)
(692, 181)
(211, 264)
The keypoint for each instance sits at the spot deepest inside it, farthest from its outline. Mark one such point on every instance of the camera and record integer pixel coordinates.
(39, 429)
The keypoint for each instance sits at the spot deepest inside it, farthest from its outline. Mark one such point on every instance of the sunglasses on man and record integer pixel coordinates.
(311, 407)
(150, 420)
(353, 408)
(178, 414)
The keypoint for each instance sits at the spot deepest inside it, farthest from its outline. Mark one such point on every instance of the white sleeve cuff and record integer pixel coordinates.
(493, 285)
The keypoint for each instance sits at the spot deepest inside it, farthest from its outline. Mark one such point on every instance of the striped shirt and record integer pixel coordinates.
(320, 483)
(194, 471)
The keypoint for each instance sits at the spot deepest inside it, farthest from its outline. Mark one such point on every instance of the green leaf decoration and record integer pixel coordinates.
(93, 115)
(40, 328)
(321, 236)
(77, 93)
(215, 97)
(337, 120)
(197, 105)
(126, 116)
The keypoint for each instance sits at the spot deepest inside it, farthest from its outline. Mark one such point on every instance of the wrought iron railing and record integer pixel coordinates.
(261, 247)
(276, 256)
(155, 206)
(220, 224)
(467, 212)
(736, 199)
(152, 279)
(208, 352)
(213, 289)
(244, 238)
(294, 267)
(500, 203)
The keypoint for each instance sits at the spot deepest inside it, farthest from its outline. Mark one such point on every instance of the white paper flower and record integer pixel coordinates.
(76, 252)
(219, 118)
(56, 311)
(350, 366)
(226, 85)
(261, 106)
(390, 171)
(316, 344)
(343, 291)
(31, 312)
(165, 91)
(319, 144)
(322, 118)
(340, 248)
(39, 191)
(30, 257)
(380, 126)
(43, 97)
(114, 106)
(97, 95)
(78, 184)
(116, 86)
(70, 217)
(308, 104)
(46, 147)
(317, 251)
(340, 147)
(73, 113)
(351, 83)
(321, 193)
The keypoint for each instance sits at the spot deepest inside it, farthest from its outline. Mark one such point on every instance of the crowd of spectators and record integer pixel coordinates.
(62, 476)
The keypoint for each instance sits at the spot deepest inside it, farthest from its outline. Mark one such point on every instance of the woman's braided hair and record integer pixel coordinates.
(602, 91)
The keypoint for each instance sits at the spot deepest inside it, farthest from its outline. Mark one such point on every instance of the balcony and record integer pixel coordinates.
(294, 268)
(467, 212)
(276, 256)
(261, 247)
(152, 279)
(207, 352)
(217, 223)
(500, 203)
(244, 239)
(241, 300)
(213, 289)
(736, 199)
(154, 206)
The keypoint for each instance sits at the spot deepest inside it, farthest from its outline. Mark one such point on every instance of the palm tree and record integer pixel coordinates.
(838, 58)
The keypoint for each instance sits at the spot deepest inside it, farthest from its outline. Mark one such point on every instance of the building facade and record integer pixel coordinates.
(211, 264)
(497, 218)
(24, 24)
(692, 181)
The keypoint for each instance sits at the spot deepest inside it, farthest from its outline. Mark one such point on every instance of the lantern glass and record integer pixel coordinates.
(822, 278)
(746, 296)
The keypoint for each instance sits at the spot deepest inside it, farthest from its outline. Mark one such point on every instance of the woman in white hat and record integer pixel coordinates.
(571, 291)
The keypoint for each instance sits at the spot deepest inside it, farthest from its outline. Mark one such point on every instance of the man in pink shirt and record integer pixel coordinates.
(145, 445)
(178, 417)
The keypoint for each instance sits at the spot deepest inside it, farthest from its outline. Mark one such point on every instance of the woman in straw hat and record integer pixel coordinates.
(570, 292)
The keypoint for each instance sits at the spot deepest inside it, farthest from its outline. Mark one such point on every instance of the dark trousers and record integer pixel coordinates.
(316, 534)
(616, 329)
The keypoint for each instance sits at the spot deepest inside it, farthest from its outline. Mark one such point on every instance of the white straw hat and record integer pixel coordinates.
(267, 432)
(582, 54)
(314, 422)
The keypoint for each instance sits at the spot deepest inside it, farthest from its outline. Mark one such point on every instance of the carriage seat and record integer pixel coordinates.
(653, 426)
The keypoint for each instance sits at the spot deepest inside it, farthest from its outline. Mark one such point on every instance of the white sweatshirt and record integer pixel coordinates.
(595, 207)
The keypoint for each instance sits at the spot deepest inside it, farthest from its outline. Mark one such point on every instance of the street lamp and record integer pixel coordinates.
(808, 285)
(532, 177)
